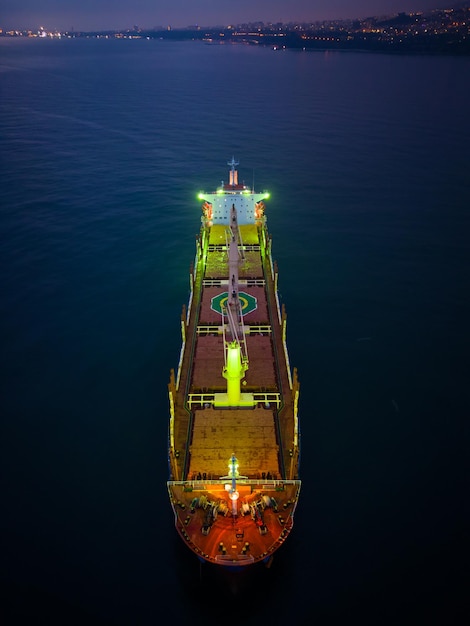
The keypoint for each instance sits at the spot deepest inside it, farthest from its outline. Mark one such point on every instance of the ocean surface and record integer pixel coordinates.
(104, 147)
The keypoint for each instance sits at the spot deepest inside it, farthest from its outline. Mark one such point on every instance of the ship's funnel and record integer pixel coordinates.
(233, 179)
(233, 174)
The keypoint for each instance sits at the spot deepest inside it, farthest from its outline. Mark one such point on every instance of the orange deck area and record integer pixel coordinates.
(234, 540)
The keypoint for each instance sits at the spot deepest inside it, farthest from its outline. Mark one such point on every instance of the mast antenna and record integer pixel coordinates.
(233, 163)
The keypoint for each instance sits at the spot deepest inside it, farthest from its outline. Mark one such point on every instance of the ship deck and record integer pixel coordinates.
(260, 434)
(235, 540)
(217, 434)
(201, 373)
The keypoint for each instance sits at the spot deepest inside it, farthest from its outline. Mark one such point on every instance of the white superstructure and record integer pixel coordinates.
(218, 204)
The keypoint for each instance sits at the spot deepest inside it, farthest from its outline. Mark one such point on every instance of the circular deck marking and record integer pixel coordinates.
(249, 303)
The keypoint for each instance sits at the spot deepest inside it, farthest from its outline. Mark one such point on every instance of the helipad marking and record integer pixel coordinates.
(248, 302)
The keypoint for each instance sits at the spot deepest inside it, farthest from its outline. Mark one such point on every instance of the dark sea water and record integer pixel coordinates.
(104, 146)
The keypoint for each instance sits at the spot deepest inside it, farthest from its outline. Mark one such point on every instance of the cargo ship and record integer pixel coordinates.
(234, 435)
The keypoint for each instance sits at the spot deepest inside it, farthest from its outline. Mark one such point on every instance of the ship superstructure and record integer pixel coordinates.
(234, 442)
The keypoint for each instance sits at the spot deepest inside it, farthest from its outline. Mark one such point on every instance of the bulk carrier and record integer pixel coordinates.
(234, 439)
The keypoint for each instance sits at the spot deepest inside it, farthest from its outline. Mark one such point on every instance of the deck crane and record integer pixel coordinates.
(235, 350)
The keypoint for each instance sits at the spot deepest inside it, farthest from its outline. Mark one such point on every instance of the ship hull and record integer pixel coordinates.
(234, 437)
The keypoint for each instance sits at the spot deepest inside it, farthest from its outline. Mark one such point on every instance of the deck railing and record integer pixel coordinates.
(262, 397)
(265, 483)
(254, 329)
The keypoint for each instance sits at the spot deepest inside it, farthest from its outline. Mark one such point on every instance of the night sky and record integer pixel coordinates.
(116, 14)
